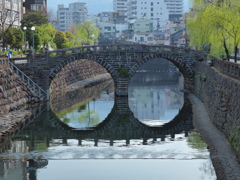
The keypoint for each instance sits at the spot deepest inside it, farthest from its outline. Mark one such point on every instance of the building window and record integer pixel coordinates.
(152, 14)
(151, 3)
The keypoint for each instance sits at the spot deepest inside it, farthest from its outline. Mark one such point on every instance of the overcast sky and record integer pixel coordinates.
(94, 6)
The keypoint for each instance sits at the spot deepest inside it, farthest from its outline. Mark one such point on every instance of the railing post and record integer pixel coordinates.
(48, 95)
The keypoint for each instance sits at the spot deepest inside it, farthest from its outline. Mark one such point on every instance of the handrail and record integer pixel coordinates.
(35, 113)
(30, 83)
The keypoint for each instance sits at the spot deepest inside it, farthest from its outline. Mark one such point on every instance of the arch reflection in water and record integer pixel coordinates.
(155, 92)
(85, 107)
(120, 124)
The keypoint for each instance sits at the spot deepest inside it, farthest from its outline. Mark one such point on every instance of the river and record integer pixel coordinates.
(91, 134)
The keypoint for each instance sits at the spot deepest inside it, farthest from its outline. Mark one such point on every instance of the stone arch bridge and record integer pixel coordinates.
(120, 60)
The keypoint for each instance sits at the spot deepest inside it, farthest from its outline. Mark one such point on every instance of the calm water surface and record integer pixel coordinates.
(90, 134)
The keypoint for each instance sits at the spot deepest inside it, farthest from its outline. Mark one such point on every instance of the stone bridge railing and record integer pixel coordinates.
(229, 68)
(122, 48)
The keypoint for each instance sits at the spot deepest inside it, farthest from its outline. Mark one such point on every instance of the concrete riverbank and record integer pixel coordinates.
(223, 158)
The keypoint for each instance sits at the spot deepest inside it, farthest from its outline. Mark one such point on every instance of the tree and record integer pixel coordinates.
(33, 19)
(215, 23)
(88, 32)
(73, 41)
(72, 29)
(60, 39)
(46, 33)
(14, 37)
(6, 22)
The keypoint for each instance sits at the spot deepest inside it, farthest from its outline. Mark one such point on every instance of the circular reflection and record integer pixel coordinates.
(155, 92)
(85, 107)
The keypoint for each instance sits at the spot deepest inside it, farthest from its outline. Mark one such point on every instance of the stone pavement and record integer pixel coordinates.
(223, 158)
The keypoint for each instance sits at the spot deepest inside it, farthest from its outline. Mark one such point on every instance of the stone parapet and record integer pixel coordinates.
(220, 95)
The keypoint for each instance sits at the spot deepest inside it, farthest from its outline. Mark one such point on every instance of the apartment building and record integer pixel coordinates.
(158, 10)
(76, 13)
(12, 11)
(120, 6)
(35, 5)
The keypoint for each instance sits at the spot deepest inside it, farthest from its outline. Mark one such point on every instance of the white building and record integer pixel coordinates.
(112, 31)
(158, 10)
(12, 11)
(120, 6)
(76, 13)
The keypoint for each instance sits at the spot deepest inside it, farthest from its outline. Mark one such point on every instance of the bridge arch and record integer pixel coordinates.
(185, 69)
(125, 57)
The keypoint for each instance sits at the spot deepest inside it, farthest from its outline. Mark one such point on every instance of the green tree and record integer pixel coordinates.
(215, 24)
(46, 34)
(33, 19)
(87, 32)
(14, 37)
(60, 39)
(73, 41)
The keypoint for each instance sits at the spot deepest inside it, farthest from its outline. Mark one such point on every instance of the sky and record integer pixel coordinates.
(94, 6)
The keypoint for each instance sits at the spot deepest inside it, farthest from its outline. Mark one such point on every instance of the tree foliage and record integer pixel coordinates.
(34, 19)
(87, 32)
(14, 37)
(215, 24)
(46, 33)
(60, 39)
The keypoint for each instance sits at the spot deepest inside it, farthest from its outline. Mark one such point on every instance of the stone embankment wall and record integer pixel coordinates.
(14, 93)
(66, 99)
(74, 72)
(220, 95)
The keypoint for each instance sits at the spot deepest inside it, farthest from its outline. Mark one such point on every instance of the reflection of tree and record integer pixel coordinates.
(66, 120)
(195, 141)
(39, 144)
(82, 107)
(91, 117)
(208, 170)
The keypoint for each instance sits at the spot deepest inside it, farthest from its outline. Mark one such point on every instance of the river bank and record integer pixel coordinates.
(223, 158)
(11, 121)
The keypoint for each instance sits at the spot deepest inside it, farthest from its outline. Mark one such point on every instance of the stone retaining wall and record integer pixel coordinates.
(74, 72)
(220, 95)
(14, 93)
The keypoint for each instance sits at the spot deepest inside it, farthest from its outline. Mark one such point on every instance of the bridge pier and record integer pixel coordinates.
(121, 87)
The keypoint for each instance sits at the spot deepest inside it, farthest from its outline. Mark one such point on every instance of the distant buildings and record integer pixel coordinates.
(35, 5)
(158, 10)
(76, 13)
(120, 6)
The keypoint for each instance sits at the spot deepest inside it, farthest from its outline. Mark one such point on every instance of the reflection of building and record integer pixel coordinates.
(155, 91)
(19, 169)
(13, 169)
(106, 96)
